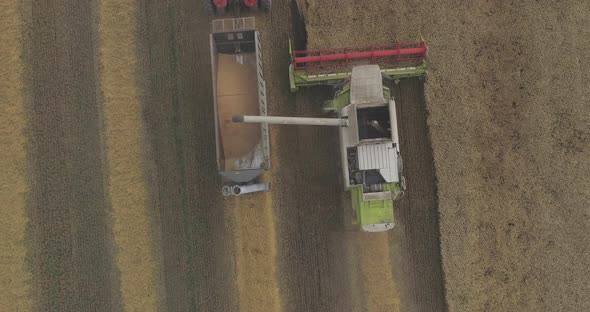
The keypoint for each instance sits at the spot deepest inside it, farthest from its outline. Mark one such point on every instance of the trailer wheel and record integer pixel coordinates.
(208, 8)
(264, 5)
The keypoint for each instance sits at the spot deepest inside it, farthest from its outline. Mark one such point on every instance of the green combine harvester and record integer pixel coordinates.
(366, 116)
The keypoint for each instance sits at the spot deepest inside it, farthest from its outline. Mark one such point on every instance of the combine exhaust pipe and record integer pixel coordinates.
(305, 121)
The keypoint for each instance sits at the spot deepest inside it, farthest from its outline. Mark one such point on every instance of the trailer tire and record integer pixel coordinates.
(208, 8)
(264, 5)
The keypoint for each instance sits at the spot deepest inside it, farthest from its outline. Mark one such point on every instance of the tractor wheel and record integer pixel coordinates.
(264, 5)
(208, 8)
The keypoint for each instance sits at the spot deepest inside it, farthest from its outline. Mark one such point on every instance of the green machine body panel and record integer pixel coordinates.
(376, 211)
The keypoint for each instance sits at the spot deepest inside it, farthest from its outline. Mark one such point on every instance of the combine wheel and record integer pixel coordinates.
(264, 5)
(400, 169)
(403, 184)
(208, 8)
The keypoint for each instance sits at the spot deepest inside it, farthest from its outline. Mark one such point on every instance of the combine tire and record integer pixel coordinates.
(400, 168)
(264, 5)
(208, 8)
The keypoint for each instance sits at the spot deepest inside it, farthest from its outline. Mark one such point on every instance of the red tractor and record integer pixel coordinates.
(224, 7)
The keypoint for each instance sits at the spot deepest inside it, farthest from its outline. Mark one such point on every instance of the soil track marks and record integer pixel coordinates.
(415, 240)
(15, 278)
(313, 250)
(185, 192)
(312, 259)
(71, 245)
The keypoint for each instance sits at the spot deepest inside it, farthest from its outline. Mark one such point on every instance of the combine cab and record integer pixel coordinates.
(369, 144)
(239, 88)
(226, 7)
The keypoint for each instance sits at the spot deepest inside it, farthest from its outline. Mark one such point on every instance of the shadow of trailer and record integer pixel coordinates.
(239, 88)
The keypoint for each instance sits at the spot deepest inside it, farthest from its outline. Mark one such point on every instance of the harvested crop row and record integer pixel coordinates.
(380, 289)
(124, 139)
(15, 279)
(256, 252)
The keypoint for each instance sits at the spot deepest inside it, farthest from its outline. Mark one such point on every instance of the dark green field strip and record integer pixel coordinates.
(314, 253)
(184, 187)
(416, 239)
(71, 244)
(167, 191)
(314, 264)
(213, 259)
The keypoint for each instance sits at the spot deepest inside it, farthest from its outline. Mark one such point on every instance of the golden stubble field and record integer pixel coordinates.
(124, 139)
